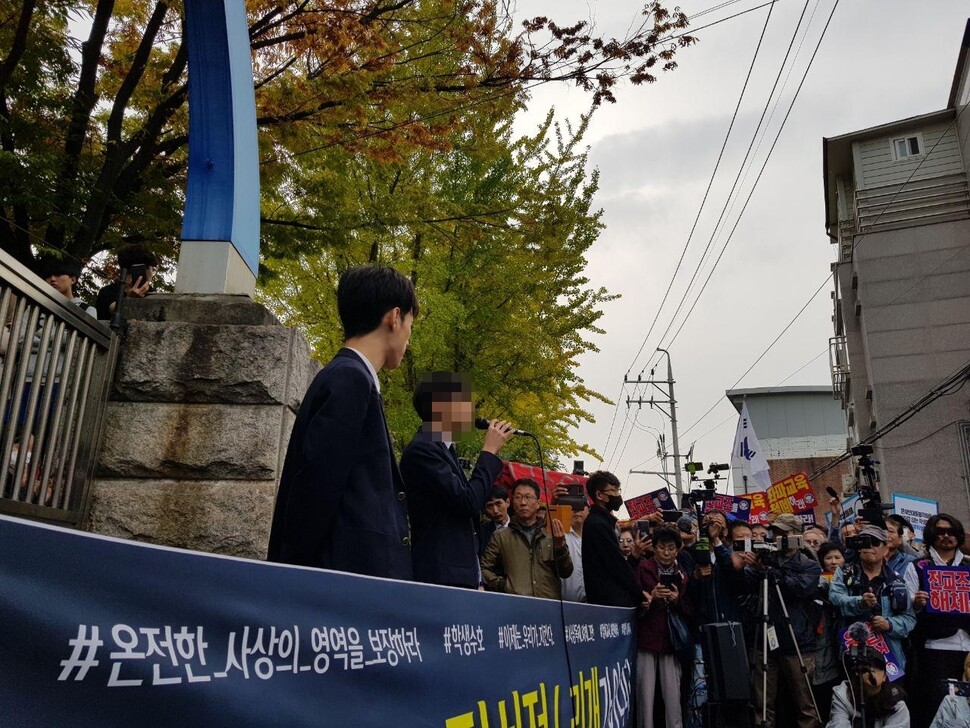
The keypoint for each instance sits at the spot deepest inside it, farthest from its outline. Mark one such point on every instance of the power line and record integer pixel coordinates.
(856, 243)
(755, 186)
(737, 178)
(953, 383)
(707, 192)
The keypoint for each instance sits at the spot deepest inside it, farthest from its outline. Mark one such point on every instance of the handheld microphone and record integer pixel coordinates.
(831, 491)
(482, 424)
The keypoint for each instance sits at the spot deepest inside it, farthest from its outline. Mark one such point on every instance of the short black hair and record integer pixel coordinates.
(666, 535)
(527, 482)
(599, 480)
(826, 548)
(366, 293)
(498, 493)
(929, 530)
(898, 521)
(56, 267)
(136, 254)
(438, 387)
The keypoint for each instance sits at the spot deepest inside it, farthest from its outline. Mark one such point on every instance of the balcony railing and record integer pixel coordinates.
(839, 366)
(57, 368)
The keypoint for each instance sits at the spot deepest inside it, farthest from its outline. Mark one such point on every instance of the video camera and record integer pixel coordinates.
(857, 543)
(780, 544)
(868, 478)
(709, 491)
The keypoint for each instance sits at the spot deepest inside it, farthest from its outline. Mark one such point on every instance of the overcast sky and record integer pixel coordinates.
(881, 60)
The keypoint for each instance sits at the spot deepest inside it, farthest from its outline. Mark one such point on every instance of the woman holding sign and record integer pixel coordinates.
(942, 640)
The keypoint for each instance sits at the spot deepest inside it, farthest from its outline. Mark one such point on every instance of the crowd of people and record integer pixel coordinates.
(791, 591)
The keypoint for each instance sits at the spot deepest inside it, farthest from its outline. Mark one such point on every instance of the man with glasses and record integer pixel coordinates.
(610, 580)
(523, 558)
(945, 637)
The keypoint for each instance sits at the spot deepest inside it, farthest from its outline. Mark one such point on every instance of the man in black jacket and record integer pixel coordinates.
(340, 503)
(609, 579)
(797, 575)
(443, 504)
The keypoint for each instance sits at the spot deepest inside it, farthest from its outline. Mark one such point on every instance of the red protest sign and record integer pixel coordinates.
(949, 589)
(759, 508)
(791, 495)
(513, 471)
(643, 505)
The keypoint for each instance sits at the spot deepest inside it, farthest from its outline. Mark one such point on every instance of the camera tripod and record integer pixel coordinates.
(766, 578)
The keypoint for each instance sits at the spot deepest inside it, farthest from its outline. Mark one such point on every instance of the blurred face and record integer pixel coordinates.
(399, 337)
(542, 513)
(849, 530)
(525, 504)
(626, 543)
(665, 552)
(833, 560)
(63, 284)
(715, 518)
(454, 415)
(497, 510)
(946, 539)
(814, 539)
(759, 532)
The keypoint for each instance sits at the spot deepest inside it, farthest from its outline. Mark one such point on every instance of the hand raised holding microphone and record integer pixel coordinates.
(497, 433)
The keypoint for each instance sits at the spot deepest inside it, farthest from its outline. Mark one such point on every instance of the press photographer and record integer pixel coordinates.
(788, 575)
(870, 591)
(867, 698)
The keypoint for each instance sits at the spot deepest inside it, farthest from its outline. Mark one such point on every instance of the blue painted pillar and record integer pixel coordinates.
(220, 229)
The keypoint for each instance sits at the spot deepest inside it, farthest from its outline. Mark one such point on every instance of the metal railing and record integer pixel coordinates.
(57, 368)
(839, 366)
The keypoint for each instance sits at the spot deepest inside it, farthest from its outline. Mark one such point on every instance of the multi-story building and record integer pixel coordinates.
(800, 429)
(898, 208)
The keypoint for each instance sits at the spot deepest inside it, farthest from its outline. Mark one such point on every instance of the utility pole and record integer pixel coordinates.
(672, 414)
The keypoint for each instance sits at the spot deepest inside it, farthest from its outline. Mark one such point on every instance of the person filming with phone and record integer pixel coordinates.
(139, 265)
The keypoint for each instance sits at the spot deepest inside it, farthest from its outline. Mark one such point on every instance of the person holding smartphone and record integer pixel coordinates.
(663, 582)
(140, 265)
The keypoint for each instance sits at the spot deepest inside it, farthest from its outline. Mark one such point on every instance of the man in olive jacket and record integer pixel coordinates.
(523, 558)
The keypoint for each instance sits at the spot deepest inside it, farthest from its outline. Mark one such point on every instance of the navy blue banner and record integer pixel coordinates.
(97, 631)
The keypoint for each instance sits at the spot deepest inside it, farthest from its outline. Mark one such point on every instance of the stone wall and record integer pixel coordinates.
(205, 395)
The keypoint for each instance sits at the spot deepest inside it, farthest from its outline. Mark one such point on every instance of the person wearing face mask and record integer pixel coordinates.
(942, 640)
(610, 580)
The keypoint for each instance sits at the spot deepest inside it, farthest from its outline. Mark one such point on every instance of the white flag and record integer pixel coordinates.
(747, 455)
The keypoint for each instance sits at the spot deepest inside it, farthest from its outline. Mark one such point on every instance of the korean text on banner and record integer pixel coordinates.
(792, 495)
(915, 510)
(653, 502)
(158, 636)
(738, 507)
(760, 511)
(878, 643)
(949, 589)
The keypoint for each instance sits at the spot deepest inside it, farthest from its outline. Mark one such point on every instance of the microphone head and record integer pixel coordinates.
(859, 632)
(481, 423)
(831, 491)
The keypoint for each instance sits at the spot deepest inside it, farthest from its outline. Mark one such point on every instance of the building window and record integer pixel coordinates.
(907, 147)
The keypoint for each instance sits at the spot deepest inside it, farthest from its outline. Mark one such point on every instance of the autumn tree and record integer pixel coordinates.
(93, 117)
(494, 232)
